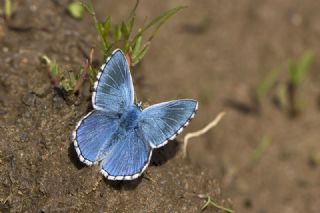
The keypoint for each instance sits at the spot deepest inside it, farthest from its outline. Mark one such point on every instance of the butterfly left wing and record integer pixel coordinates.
(92, 134)
(162, 122)
(127, 158)
(113, 90)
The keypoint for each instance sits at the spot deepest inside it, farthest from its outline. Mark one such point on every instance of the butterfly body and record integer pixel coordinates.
(129, 119)
(118, 133)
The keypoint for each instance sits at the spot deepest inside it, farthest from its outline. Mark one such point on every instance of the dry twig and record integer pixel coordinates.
(200, 132)
(86, 68)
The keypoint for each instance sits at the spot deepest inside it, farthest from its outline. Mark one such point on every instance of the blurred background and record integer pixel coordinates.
(233, 56)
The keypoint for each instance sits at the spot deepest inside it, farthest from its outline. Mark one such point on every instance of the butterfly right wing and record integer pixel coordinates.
(93, 133)
(113, 90)
(162, 122)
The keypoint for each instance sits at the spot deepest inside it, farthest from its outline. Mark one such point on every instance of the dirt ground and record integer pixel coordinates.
(215, 52)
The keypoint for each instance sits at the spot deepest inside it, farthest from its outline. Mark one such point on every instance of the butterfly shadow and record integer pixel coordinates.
(123, 184)
(242, 107)
(161, 155)
(73, 156)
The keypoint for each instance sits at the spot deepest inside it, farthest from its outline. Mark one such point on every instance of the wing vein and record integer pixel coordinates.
(113, 80)
(159, 128)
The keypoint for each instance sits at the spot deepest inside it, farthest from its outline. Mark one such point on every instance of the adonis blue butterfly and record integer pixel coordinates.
(118, 132)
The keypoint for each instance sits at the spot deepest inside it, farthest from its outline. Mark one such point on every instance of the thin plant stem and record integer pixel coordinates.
(55, 80)
(210, 201)
(133, 11)
(84, 74)
(129, 60)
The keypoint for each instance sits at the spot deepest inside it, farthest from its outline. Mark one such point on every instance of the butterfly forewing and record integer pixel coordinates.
(113, 91)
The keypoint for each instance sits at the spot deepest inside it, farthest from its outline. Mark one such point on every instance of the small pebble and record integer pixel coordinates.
(33, 8)
(24, 61)
(5, 49)
(23, 136)
(28, 99)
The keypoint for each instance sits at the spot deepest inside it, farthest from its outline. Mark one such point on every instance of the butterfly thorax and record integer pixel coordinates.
(129, 118)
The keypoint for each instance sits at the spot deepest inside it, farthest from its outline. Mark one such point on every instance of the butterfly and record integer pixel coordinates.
(118, 132)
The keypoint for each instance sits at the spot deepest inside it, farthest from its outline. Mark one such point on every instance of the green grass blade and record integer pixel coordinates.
(140, 55)
(136, 47)
(107, 26)
(117, 33)
(134, 9)
(130, 25)
(124, 31)
(266, 84)
(261, 148)
(54, 69)
(7, 9)
(298, 69)
(100, 28)
(162, 21)
(72, 78)
(159, 20)
(210, 201)
(282, 96)
(128, 30)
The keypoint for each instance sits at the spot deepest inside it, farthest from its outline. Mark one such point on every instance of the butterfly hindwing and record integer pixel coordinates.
(128, 158)
(162, 122)
(93, 133)
(113, 91)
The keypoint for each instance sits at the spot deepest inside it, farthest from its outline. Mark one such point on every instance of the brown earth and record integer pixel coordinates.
(213, 51)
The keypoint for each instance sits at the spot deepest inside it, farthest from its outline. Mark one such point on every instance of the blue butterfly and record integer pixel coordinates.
(118, 132)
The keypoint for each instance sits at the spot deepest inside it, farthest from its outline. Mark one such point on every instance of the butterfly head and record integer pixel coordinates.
(140, 105)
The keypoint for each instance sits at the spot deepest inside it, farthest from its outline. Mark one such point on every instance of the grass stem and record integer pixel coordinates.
(210, 201)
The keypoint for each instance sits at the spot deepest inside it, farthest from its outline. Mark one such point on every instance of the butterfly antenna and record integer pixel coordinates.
(140, 105)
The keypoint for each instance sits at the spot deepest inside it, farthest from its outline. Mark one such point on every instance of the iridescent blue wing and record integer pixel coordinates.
(162, 122)
(93, 133)
(127, 158)
(113, 90)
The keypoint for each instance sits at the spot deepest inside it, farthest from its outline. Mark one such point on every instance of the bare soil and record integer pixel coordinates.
(213, 51)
